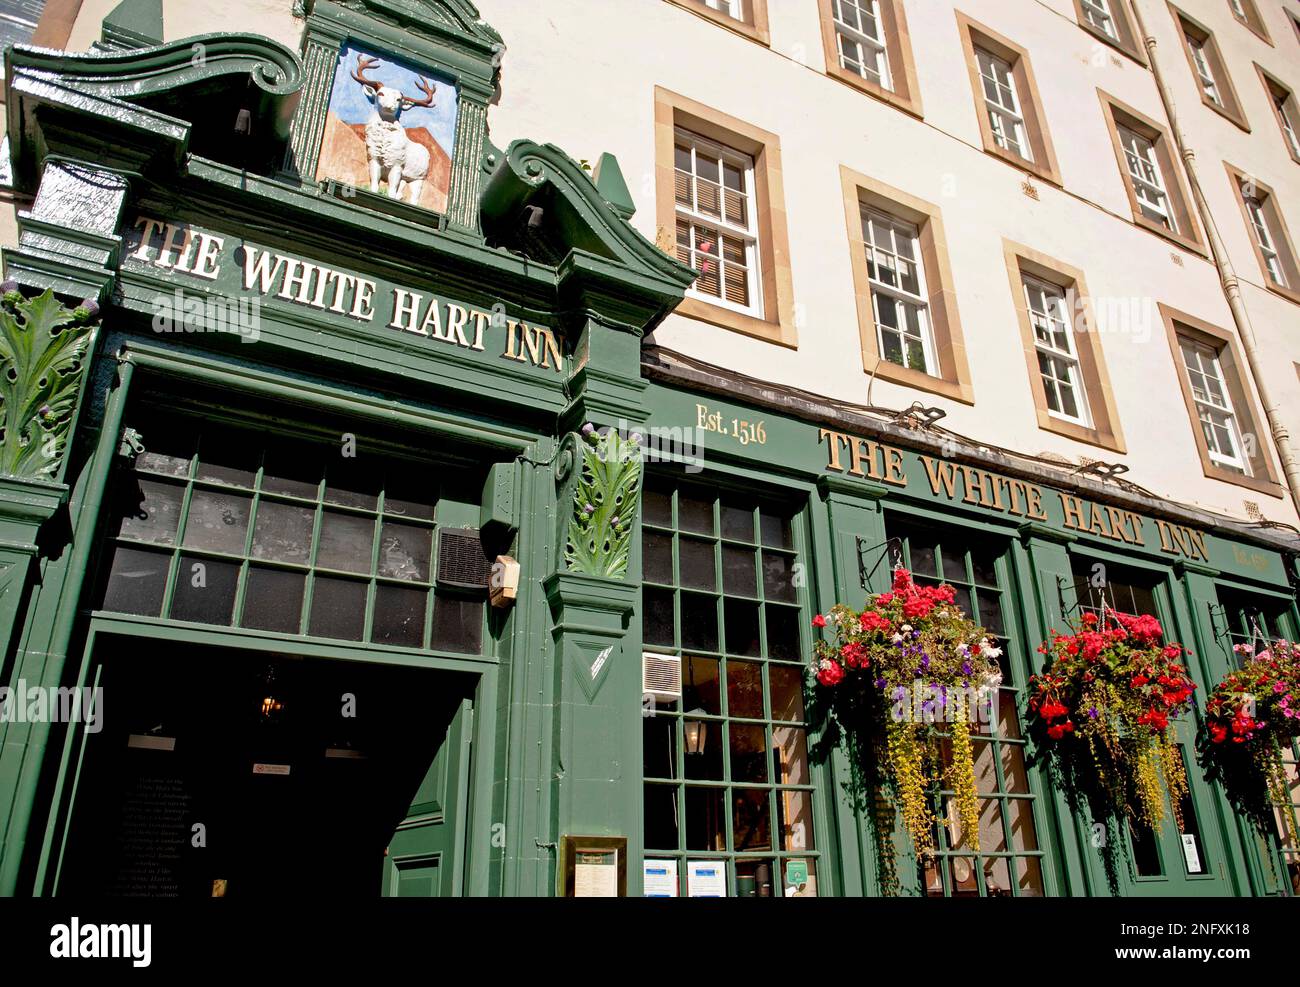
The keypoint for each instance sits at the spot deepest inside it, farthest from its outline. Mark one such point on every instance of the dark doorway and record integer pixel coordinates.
(231, 773)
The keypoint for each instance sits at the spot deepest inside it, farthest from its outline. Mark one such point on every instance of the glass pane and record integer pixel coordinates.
(694, 514)
(657, 508)
(661, 817)
(748, 752)
(786, 684)
(1029, 877)
(657, 617)
(755, 879)
(699, 570)
(217, 522)
(705, 819)
(659, 746)
(751, 821)
(288, 471)
(273, 600)
(346, 541)
(778, 577)
(997, 877)
(205, 590)
(775, 529)
(338, 608)
(738, 521)
(229, 457)
(151, 511)
(700, 686)
(699, 622)
(741, 628)
(353, 482)
(457, 624)
(404, 551)
(399, 616)
(739, 571)
(1020, 816)
(745, 689)
(167, 454)
(705, 762)
(783, 625)
(657, 558)
(136, 581)
(409, 494)
(283, 532)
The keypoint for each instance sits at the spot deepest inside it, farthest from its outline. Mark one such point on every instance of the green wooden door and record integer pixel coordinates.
(426, 855)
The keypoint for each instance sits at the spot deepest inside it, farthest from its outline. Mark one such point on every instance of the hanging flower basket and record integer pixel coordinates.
(1102, 713)
(905, 680)
(1250, 715)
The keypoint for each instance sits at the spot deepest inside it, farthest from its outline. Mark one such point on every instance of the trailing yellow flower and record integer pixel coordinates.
(906, 761)
(961, 779)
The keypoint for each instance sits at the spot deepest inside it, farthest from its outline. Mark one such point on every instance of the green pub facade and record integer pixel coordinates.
(339, 473)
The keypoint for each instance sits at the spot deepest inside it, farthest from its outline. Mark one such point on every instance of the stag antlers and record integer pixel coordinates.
(365, 62)
(359, 73)
(426, 87)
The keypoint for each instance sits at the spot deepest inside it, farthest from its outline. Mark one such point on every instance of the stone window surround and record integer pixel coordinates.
(1253, 22)
(1271, 85)
(1277, 227)
(954, 380)
(1128, 42)
(974, 34)
(754, 26)
(906, 94)
(1180, 199)
(1105, 430)
(1249, 416)
(1231, 109)
(673, 110)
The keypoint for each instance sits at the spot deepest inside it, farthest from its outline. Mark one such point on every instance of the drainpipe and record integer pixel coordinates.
(1227, 277)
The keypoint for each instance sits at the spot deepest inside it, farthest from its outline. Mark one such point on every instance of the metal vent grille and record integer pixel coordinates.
(461, 561)
(661, 676)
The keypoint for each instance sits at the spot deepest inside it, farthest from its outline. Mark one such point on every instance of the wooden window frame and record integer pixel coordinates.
(1245, 408)
(973, 34)
(754, 26)
(906, 92)
(1128, 42)
(673, 111)
(1252, 22)
(1231, 109)
(953, 380)
(1180, 200)
(1105, 431)
(1272, 87)
(1285, 246)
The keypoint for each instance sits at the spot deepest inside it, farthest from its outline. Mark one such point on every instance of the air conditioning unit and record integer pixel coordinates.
(661, 676)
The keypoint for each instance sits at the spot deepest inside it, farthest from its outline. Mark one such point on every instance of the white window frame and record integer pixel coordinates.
(1264, 238)
(1283, 101)
(1209, 85)
(749, 233)
(883, 293)
(1201, 360)
(865, 44)
(1052, 325)
(1099, 10)
(1239, 11)
(1006, 120)
(735, 9)
(1145, 176)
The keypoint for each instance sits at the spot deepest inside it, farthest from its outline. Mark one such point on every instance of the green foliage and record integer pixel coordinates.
(42, 346)
(604, 505)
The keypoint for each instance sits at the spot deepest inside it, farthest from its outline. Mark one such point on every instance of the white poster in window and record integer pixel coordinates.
(706, 879)
(1191, 854)
(660, 878)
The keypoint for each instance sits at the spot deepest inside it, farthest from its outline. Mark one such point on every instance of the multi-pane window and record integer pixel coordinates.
(1257, 622)
(1144, 174)
(1003, 104)
(860, 37)
(1213, 404)
(1058, 358)
(717, 223)
(218, 524)
(1097, 13)
(1201, 59)
(1264, 238)
(1010, 858)
(726, 768)
(899, 299)
(732, 8)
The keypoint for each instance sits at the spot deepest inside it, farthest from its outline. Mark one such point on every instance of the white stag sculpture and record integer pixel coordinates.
(394, 157)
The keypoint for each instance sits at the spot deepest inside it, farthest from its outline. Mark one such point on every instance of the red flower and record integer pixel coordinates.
(871, 622)
(830, 672)
(854, 655)
(917, 609)
(819, 621)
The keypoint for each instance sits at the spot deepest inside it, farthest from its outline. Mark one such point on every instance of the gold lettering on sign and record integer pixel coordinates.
(981, 488)
(1102, 520)
(1178, 539)
(867, 458)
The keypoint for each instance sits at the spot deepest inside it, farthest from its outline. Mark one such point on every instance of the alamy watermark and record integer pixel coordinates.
(22, 703)
(180, 313)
